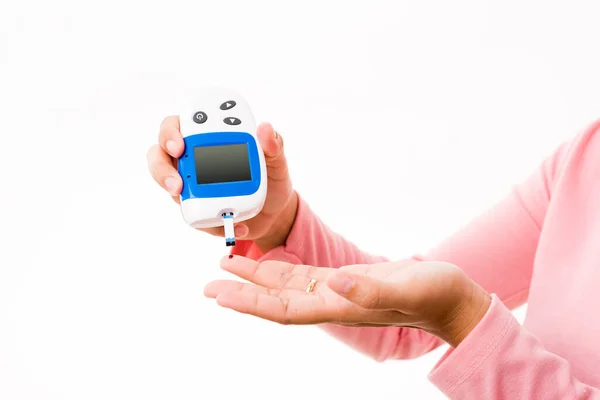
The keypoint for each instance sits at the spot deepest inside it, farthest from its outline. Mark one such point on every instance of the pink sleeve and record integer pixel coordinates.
(499, 359)
(496, 250)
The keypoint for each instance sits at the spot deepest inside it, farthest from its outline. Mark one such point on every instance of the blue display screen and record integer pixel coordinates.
(219, 164)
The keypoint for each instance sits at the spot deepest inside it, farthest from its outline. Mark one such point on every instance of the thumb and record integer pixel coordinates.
(272, 144)
(364, 291)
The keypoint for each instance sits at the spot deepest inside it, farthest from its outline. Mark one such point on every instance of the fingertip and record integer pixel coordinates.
(208, 292)
(266, 127)
(269, 139)
(173, 185)
(266, 131)
(225, 262)
(172, 147)
(238, 265)
(170, 137)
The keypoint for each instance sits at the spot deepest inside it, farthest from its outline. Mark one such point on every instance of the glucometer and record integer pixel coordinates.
(223, 166)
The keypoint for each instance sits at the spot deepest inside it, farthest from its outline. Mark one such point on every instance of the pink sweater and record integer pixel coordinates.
(540, 245)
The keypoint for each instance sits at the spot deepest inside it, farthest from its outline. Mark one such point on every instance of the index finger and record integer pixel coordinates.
(170, 138)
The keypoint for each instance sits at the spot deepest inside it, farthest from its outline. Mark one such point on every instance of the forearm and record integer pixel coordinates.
(500, 359)
(312, 242)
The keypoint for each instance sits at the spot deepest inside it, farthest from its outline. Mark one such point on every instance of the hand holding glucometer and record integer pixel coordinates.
(229, 175)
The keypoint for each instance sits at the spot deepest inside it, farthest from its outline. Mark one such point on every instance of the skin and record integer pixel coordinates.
(436, 297)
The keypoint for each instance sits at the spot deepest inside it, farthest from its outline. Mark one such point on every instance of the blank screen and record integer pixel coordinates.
(218, 164)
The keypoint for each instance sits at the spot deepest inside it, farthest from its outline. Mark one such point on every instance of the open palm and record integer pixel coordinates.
(404, 293)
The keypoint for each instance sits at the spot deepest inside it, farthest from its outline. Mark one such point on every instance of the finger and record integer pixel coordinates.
(162, 170)
(214, 288)
(365, 291)
(275, 274)
(279, 189)
(169, 137)
(272, 145)
(298, 310)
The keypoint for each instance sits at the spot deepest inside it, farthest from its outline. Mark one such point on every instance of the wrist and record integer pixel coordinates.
(471, 312)
(281, 228)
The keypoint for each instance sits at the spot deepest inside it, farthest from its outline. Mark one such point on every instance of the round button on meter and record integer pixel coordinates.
(200, 117)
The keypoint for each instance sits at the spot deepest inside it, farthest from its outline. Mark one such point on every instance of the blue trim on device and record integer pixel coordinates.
(187, 166)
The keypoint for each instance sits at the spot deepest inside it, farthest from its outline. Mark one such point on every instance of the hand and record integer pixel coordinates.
(272, 225)
(436, 297)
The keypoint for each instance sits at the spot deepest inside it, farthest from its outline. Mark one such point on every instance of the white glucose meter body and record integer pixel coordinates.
(223, 166)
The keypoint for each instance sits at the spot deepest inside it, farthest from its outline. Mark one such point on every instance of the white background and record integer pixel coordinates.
(402, 121)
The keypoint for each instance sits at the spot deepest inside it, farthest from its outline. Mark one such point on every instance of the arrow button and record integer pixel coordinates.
(228, 105)
(232, 121)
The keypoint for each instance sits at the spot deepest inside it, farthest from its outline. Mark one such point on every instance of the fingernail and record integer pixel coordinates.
(171, 147)
(341, 284)
(275, 134)
(170, 183)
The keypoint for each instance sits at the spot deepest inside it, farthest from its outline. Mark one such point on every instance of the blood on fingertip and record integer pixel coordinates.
(231, 256)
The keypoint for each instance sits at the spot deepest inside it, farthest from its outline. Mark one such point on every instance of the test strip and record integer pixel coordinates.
(229, 233)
